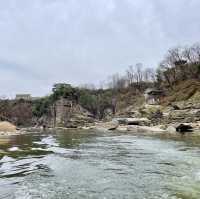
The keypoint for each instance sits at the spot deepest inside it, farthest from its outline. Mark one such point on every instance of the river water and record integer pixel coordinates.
(88, 164)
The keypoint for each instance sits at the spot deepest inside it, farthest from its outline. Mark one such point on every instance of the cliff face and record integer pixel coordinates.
(66, 113)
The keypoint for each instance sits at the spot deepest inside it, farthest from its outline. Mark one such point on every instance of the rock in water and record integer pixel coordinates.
(171, 129)
(7, 127)
(183, 128)
(133, 121)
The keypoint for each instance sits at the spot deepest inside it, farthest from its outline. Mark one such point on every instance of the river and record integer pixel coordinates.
(88, 164)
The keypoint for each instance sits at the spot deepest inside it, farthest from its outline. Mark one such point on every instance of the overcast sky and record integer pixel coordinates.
(84, 41)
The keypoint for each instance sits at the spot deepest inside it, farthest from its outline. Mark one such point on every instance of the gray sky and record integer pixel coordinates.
(84, 41)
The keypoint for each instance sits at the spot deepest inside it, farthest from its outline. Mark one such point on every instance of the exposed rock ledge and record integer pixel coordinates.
(133, 121)
(136, 125)
(113, 125)
(145, 129)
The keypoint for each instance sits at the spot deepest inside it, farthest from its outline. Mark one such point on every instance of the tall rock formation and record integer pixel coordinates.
(67, 113)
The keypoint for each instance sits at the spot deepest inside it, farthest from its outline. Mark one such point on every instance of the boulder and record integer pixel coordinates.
(122, 128)
(7, 127)
(175, 107)
(138, 121)
(171, 129)
(181, 128)
(133, 121)
(121, 121)
(107, 125)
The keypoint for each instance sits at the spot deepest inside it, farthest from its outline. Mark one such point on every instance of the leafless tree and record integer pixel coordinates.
(149, 75)
(117, 82)
(88, 86)
(130, 74)
(139, 73)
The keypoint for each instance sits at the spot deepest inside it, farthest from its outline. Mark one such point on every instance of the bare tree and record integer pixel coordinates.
(117, 82)
(130, 74)
(196, 51)
(149, 75)
(88, 86)
(139, 73)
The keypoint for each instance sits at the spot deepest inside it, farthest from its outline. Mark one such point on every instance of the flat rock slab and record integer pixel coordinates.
(133, 121)
(145, 129)
(107, 126)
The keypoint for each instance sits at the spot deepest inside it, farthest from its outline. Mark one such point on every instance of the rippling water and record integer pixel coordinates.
(87, 164)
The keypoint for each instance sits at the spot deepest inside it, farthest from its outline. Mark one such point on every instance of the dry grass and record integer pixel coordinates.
(129, 99)
(183, 91)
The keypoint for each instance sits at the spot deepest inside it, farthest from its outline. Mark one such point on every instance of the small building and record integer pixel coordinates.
(153, 96)
(23, 96)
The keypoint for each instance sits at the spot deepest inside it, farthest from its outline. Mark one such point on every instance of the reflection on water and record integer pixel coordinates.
(87, 164)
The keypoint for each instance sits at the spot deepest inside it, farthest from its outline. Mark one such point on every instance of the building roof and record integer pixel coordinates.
(153, 91)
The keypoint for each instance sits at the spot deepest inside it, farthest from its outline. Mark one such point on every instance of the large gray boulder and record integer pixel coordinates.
(113, 125)
(180, 128)
(171, 129)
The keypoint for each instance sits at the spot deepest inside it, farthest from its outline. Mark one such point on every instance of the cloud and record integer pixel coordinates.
(74, 41)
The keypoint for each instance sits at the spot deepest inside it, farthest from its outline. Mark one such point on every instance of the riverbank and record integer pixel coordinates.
(144, 126)
(103, 127)
(140, 126)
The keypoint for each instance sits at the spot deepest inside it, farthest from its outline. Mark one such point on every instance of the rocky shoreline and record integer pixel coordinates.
(130, 125)
(181, 128)
(179, 118)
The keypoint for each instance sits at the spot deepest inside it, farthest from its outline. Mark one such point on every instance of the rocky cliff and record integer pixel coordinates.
(66, 113)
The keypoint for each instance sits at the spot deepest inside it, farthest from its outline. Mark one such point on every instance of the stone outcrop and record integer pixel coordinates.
(183, 116)
(172, 114)
(184, 112)
(130, 112)
(62, 112)
(66, 113)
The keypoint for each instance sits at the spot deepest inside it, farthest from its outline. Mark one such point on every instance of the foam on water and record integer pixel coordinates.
(14, 149)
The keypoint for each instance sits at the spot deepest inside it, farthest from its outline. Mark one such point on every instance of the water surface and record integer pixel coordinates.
(88, 164)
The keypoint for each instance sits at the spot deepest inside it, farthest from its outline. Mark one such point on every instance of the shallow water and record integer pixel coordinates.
(87, 164)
